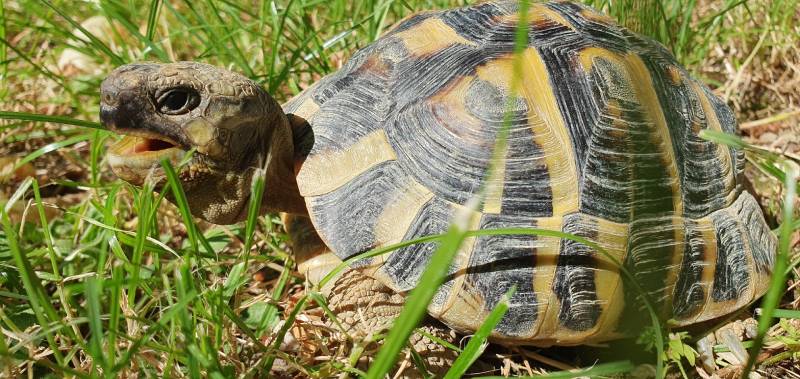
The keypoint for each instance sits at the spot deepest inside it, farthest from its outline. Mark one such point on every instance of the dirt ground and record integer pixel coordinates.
(760, 80)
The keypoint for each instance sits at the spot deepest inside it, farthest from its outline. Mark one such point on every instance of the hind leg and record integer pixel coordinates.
(365, 307)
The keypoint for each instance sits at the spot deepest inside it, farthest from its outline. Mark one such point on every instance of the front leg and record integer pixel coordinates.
(314, 259)
(363, 306)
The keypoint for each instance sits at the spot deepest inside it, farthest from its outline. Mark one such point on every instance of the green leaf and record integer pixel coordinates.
(235, 279)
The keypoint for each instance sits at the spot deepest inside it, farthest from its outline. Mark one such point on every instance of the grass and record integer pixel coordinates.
(120, 283)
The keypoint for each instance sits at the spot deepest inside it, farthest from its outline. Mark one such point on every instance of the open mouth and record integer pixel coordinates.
(143, 151)
(149, 144)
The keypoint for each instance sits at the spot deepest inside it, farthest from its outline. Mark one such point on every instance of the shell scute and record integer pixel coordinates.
(603, 143)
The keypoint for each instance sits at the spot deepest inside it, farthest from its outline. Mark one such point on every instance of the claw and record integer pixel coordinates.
(705, 347)
(734, 344)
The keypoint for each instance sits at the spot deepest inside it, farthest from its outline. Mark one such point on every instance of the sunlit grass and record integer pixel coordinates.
(101, 289)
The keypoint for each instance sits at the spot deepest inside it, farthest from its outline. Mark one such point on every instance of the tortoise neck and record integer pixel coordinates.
(280, 184)
(302, 139)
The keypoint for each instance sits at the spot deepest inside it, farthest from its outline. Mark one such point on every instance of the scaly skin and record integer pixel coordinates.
(236, 128)
(366, 307)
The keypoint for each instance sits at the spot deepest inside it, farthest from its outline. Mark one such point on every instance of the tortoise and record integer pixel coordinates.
(602, 142)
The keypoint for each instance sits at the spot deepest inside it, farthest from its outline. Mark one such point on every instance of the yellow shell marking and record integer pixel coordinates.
(399, 213)
(451, 100)
(613, 238)
(452, 308)
(307, 109)
(547, 253)
(493, 200)
(546, 122)
(640, 89)
(465, 307)
(708, 311)
(679, 249)
(712, 123)
(675, 75)
(430, 36)
(714, 309)
(637, 86)
(326, 171)
(538, 13)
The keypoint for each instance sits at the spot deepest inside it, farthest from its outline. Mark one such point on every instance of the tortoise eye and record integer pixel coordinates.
(178, 101)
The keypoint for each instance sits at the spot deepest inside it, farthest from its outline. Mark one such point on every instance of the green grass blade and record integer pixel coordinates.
(152, 19)
(278, 22)
(46, 231)
(323, 303)
(40, 304)
(243, 327)
(93, 288)
(41, 69)
(478, 342)
(786, 313)
(229, 44)
(3, 52)
(591, 372)
(778, 283)
(279, 337)
(523, 231)
(685, 30)
(22, 116)
(272, 311)
(236, 277)
(723, 138)
(375, 252)
(6, 362)
(145, 209)
(166, 317)
(188, 325)
(63, 371)
(253, 210)
(111, 8)
(765, 160)
(183, 205)
(115, 315)
(417, 302)
(95, 156)
(52, 147)
(96, 42)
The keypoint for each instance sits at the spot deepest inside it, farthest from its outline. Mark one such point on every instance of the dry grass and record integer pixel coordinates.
(754, 63)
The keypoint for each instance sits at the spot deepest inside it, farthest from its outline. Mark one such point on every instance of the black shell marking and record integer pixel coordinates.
(603, 143)
(690, 293)
(508, 261)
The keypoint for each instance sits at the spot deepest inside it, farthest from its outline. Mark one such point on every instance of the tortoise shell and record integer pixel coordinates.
(603, 143)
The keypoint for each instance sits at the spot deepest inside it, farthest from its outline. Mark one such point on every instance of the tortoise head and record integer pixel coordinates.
(231, 126)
